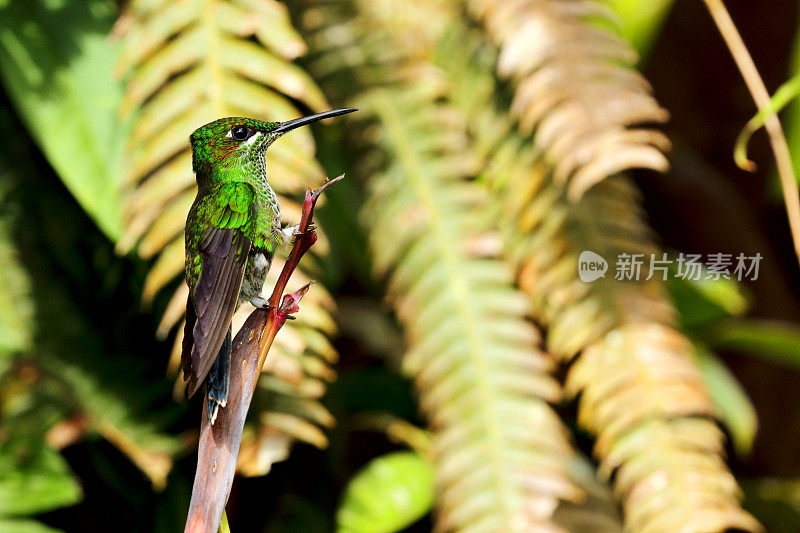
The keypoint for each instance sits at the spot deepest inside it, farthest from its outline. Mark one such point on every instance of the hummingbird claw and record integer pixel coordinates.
(294, 231)
(260, 303)
(290, 232)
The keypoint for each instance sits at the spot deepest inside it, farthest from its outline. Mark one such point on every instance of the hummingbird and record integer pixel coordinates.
(232, 232)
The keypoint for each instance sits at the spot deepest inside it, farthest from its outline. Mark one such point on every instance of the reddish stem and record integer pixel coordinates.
(218, 448)
(304, 240)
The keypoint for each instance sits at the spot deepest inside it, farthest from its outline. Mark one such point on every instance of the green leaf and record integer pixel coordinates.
(8, 525)
(700, 301)
(35, 483)
(640, 21)
(129, 407)
(792, 123)
(773, 341)
(16, 307)
(785, 94)
(224, 527)
(56, 64)
(730, 400)
(389, 494)
(776, 503)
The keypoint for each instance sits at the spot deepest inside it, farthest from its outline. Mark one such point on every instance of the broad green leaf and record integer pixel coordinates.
(389, 494)
(730, 400)
(16, 308)
(777, 342)
(10, 525)
(640, 21)
(224, 527)
(702, 300)
(56, 64)
(35, 483)
(127, 406)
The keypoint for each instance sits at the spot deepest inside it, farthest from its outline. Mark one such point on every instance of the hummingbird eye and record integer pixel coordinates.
(240, 133)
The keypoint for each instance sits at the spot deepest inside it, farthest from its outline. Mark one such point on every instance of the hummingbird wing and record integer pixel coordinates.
(223, 247)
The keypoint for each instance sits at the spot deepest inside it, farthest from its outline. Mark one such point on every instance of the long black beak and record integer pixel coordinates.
(302, 121)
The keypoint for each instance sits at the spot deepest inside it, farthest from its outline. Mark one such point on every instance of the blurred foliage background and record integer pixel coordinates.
(450, 370)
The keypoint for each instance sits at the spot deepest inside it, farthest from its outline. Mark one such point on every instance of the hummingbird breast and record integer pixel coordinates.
(268, 218)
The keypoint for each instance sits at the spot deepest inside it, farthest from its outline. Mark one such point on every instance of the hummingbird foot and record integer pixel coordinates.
(213, 410)
(294, 231)
(260, 303)
(288, 233)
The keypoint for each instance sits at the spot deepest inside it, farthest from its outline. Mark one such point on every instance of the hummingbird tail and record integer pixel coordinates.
(218, 379)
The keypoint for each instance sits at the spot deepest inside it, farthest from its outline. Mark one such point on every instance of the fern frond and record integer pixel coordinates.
(575, 86)
(186, 64)
(639, 389)
(499, 447)
(654, 431)
(501, 454)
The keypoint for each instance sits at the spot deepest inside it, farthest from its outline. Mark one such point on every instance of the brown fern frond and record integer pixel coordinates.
(640, 391)
(655, 433)
(574, 85)
(638, 387)
(186, 64)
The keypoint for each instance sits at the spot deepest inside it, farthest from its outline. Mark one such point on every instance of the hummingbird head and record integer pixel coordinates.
(231, 143)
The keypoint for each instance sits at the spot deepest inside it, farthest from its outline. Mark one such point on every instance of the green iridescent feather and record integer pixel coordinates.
(231, 178)
(228, 206)
(232, 231)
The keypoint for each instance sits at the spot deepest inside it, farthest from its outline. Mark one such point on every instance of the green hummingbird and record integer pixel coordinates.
(232, 231)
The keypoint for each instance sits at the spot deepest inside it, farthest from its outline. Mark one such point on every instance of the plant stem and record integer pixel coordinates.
(758, 90)
(218, 448)
(305, 239)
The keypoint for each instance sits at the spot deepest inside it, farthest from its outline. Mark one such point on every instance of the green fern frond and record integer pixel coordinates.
(639, 389)
(499, 447)
(501, 454)
(186, 64)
